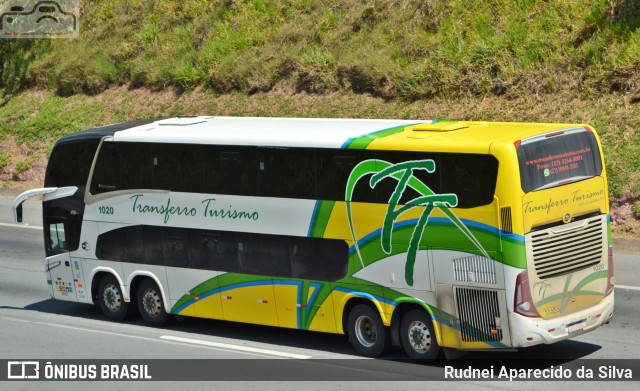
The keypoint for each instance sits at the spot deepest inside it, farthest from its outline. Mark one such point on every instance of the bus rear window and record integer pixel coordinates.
(558, 158)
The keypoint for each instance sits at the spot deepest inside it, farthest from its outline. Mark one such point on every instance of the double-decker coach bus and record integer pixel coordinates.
(427, 235)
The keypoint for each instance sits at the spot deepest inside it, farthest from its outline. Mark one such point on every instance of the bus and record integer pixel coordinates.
(433, 236)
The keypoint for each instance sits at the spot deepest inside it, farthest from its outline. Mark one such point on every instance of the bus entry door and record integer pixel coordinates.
(60, 276)
(58, 264)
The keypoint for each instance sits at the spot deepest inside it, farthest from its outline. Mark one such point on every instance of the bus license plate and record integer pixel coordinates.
(575, 326)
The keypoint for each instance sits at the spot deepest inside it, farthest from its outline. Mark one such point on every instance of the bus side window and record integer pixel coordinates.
(319, 259)
(287, 173)
(264, 254)
(153, 246)
(122, 245)
(231, 170)
(333, 170)
(387, 186)
(177, 167)
(471, 177)
(212, 250)
(122, 166)
(175, 247)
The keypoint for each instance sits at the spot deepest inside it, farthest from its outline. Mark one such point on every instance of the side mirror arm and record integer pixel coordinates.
(60, 192)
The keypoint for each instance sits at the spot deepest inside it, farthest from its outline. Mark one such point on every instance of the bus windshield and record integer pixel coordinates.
(558, 158)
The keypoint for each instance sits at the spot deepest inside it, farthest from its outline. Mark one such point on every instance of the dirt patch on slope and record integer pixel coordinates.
(623, 221)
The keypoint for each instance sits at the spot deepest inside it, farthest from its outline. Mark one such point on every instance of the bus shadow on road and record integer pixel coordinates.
(561, 352)
(68, 308)
(202, 328)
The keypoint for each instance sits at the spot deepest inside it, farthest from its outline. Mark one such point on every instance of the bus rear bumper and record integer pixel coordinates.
(534, 331)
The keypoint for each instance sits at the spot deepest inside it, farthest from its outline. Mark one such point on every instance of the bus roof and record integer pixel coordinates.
(101, 131)
(331, 133)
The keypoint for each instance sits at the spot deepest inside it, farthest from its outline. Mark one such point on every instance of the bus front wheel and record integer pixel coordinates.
(111, 298)
(367, 334)
(417, 336)
(150, 303)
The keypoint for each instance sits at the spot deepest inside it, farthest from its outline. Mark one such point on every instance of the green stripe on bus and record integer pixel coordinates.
(363, 142)
(320, 218)
(443, 236)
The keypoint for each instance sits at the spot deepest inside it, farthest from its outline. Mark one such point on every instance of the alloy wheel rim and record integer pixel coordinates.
(366, 332)
(419, 337)
(112, 297)
(151, 302)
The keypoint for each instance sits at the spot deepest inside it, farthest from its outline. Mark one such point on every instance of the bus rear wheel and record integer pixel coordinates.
(417, 336)
(150, 305)
(366, 332)
(111, 298)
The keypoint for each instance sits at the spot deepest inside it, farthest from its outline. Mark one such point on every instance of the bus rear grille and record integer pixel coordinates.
(556, 253)
(474, 268)
(479, 315)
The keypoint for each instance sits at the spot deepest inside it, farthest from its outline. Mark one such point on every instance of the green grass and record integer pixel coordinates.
(404, 49)
(635, 210)
(5, 158)
(36, 119)
(21, 166)
(507, 60)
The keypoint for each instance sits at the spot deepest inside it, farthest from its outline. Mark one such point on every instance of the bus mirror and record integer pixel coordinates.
(17, 203)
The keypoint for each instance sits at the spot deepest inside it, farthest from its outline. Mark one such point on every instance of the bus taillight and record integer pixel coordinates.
(610, 278)
(523, 303)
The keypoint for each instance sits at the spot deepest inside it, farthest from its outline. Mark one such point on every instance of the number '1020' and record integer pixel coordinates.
(106, 210)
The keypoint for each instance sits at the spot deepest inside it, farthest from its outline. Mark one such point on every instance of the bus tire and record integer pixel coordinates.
(366, 332)
(111, 298)
(417, 336)
(150, 304)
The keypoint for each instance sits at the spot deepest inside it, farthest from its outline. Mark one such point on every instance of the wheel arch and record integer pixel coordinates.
(401, 310)
(96, 276)
(353, 301)
(136, 278)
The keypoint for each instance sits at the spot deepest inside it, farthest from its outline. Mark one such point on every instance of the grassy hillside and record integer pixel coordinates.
(408, 49)
(507, 60)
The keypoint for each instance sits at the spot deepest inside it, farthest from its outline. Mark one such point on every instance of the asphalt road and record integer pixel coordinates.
(32, 326)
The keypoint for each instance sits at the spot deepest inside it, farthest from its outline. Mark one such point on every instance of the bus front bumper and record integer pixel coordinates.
(534, 331)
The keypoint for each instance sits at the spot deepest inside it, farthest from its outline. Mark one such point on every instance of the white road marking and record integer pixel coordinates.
(176, 341)
(235, 347)
(20, 226)
(76, 328)
(15, 319)
(633, 288)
